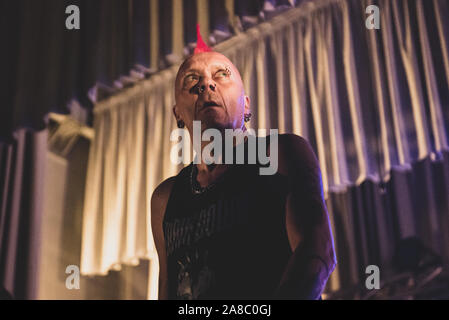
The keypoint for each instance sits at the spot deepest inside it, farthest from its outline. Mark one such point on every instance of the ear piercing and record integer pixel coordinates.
(247, 117)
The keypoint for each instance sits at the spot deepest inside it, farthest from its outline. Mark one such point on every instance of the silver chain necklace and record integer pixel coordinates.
(196, 188)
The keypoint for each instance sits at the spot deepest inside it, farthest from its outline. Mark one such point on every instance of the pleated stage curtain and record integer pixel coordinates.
(46, 66)
(374, 104)
(22, 171)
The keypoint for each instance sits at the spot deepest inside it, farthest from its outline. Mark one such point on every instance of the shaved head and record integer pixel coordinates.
(209, 88)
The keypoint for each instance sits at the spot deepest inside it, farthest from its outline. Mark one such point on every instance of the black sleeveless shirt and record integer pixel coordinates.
(229, 242)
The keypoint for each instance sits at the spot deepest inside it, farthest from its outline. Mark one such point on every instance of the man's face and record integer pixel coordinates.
(209, 88)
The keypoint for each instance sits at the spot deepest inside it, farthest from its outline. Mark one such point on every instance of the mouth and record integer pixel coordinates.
(208, 104)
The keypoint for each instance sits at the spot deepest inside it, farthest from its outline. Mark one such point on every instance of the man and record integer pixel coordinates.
(223, 231)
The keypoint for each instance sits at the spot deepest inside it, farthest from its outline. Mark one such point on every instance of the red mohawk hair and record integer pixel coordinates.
(201, 46)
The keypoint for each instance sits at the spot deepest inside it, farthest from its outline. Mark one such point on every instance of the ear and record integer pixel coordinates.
(175, 113)
(247, 104)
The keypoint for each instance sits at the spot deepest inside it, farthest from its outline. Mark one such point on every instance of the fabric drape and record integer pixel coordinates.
(22, 171)
(45, 66)
(374, 104)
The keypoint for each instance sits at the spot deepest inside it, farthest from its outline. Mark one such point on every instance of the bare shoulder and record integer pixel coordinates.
(159, 201)
(160, 197)
(292, 141)
(163, 190)
(295, 152)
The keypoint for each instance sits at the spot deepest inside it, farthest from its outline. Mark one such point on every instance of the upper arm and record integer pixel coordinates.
(159, 201)
(307, 219)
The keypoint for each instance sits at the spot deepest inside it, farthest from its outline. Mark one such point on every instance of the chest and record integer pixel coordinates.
(249, 211)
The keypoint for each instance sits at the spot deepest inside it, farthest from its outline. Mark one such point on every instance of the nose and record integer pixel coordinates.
(206, 83)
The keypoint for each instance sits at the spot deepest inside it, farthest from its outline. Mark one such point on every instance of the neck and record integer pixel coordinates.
(219, 162)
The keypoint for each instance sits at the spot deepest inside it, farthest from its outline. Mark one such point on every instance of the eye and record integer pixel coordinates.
(222, 73)
(191, 79)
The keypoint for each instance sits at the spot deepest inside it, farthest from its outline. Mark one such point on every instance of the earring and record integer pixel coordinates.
(247, 117)
(180, 124)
